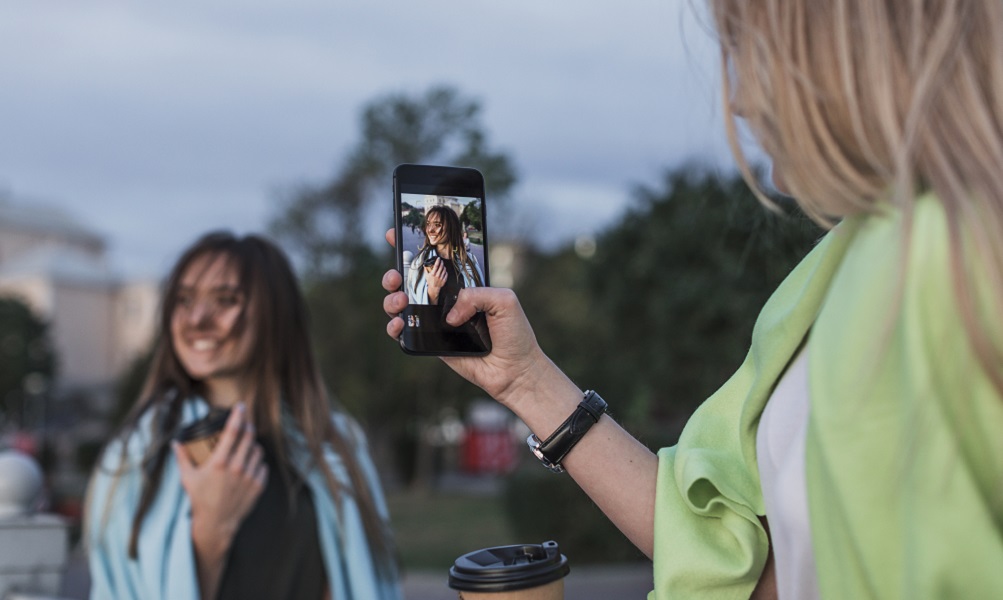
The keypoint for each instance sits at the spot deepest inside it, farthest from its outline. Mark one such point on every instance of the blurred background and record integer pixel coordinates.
(616, 214)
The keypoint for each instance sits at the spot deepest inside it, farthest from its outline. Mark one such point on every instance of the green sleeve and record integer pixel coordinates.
(709, 542)
(904, 451)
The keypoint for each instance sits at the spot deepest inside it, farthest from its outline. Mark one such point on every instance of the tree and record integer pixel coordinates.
(471, 216)
(668, 301)
(27, 359)
(322, 224)
(413, 219)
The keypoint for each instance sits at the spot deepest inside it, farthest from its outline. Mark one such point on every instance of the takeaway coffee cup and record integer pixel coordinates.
(200, 437)
(520, 572)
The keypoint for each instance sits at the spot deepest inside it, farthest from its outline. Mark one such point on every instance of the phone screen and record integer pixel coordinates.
(441, 223)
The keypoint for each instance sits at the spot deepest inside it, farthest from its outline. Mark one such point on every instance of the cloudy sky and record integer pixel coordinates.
(154, 122)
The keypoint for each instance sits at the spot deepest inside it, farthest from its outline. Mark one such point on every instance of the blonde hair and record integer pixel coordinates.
(869, 102)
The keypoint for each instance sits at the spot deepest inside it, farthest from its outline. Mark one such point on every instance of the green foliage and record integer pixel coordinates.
(27, 359)
(323, 223)
(541, 506)
(663, 312)
(471, 216)
(412, 219)
(393, 394)
(656, 319)
(433, 529)
(692, 266)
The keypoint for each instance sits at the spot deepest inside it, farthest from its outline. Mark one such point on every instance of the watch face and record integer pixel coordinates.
(534, 445)
(570, 432)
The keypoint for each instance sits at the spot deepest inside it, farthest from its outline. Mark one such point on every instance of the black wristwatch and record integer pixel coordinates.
(552, 450)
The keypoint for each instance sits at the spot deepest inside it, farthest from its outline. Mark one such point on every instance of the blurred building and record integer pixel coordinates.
(447, 201)
(508, 262)
(98, 321)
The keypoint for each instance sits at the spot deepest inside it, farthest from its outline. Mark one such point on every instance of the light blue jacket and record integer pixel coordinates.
(165, 567)
(419, 294)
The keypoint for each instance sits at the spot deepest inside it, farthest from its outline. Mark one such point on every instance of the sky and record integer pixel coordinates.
(155, 122)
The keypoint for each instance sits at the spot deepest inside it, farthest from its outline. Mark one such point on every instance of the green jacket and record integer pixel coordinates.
(905, 441)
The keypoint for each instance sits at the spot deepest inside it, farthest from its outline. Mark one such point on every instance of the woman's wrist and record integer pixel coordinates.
(211, 543)
(543, 398)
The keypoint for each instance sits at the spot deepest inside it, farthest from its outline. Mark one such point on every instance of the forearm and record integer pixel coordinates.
(616, 471)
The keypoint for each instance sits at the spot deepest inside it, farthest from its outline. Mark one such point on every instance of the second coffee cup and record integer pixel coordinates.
(200, 437)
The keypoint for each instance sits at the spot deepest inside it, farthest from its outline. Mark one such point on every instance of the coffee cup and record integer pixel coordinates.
(200, 437)
(519, 572)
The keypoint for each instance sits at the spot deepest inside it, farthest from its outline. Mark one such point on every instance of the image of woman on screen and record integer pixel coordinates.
(443, 266)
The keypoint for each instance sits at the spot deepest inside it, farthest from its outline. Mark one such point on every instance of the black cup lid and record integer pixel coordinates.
(207, 425)
(505, 568)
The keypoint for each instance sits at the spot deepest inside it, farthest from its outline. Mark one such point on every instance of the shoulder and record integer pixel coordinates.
(127, 448)
(893, 328)
(900, 275)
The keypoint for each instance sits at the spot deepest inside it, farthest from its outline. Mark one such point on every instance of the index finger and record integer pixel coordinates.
(391, 236)
(392, 280)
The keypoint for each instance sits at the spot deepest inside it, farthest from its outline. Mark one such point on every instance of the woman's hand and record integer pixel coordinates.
(436, 279)
(614, 469)
(515, 362)
(222, 491)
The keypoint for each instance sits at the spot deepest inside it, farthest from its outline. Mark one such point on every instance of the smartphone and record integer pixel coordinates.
(442, 247)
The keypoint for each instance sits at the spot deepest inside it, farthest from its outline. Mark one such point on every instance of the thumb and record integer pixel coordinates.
(492, 301)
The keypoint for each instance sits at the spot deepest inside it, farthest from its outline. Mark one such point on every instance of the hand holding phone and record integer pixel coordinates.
(437, 212)
(515, 354)
(436, 280)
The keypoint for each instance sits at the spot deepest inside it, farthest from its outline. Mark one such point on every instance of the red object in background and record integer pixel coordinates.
(487, 451)
(71, 508)
(24, 442)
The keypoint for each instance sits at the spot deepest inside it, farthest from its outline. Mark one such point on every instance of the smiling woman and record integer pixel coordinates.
(208, 330)
(288, 479)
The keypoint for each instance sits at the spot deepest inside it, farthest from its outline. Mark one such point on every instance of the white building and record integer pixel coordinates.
(98, 321)
(448, 201)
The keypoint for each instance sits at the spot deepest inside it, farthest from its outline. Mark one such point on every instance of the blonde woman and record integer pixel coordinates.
(858, 451)
(288, 505)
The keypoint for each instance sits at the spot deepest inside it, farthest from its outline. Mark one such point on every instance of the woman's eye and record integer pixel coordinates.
(228, 300)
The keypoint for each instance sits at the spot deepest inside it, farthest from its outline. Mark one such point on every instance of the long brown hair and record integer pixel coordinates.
(283, 372)
(869, 102)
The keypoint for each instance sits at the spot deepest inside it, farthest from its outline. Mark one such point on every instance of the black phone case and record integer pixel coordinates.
(425, 330)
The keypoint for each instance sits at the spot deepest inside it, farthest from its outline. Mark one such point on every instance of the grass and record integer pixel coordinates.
(434, 528)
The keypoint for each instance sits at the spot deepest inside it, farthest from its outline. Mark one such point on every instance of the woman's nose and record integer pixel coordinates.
(200, 312)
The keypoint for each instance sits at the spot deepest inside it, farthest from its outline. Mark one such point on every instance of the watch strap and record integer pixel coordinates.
(555, 448)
